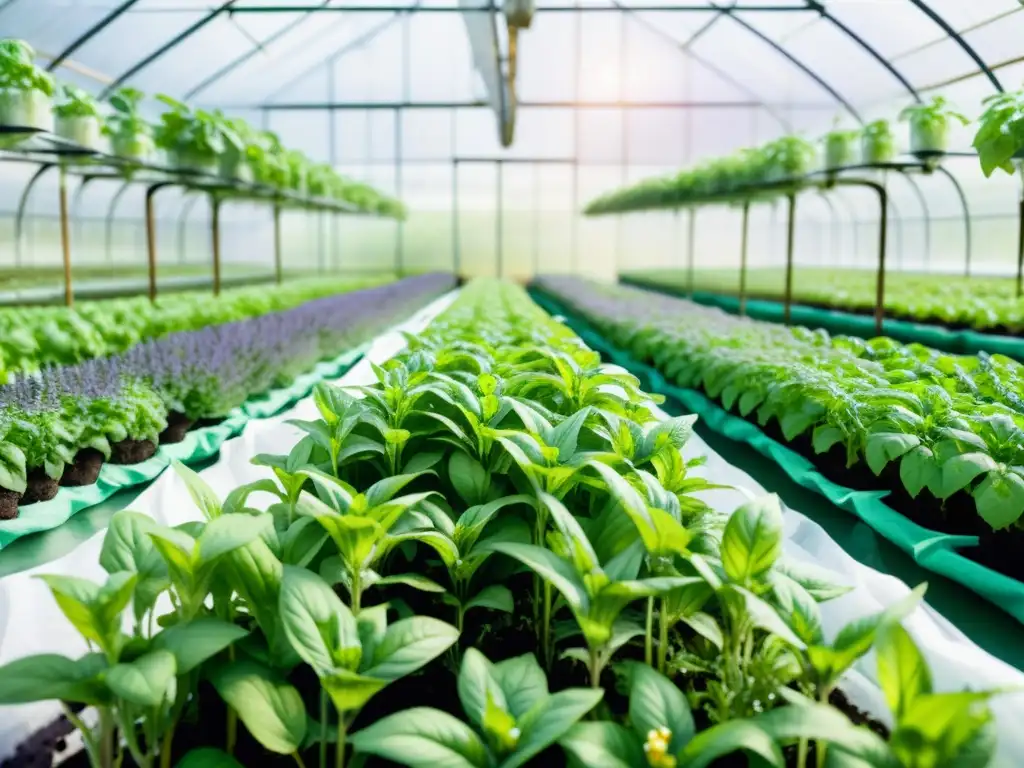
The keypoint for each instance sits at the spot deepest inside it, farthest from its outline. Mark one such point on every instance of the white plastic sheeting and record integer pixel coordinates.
(30, 622)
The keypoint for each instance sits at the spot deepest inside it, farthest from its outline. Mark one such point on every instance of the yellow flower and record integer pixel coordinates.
(656, 748)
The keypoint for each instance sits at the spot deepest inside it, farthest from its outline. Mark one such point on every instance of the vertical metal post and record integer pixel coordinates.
(499, 218)
(151, 239)
(744, 242)
(883, 226)
(215, 241)
(790, 232)
(278, 266)
(65, 237)
(456, 260)
(691, 250)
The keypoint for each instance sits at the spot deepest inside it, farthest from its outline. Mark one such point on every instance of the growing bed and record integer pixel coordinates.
(510, 718)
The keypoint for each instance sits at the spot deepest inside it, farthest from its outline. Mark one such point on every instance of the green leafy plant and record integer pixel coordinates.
(839, 148)
(877, 142)
(929, 125)
(199, 138)
(512, 719)
(1000, 136)
(18, 71)
(130, 133)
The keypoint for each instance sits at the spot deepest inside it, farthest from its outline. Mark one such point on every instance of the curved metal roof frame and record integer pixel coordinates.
(720, 10)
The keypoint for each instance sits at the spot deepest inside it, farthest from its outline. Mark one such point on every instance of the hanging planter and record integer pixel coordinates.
(877, 143)
(840, 149)
(26, 92)
(929, 126)
(789, 158)
(198, 141)
(131, 137)
(78, 118)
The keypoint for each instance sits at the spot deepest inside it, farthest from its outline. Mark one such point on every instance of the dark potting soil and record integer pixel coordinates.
(178, 425)
(9, 504)
(40, 487)
(84, 470)
(211, 422)
(131, 451)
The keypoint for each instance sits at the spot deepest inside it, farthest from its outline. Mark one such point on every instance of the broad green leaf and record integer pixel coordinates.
(354, 536)
(202, 494)
(423, 738)
(656, 702)
(147, 681)
(128, 547)
(94, 610)
(548, 721)
(961, 470)
(49, 676)
(472, 522)
(729, 737)
(414, 580)
(408, 645)
(797, 608)
(522, 682)
(270, 708)
(814, 721)
(565, 437)
(477, 685)
(761, 614)
(903, 673)
(320, 627)
(349, 691)
(208, 757)
(386, 489)
(549, 567)
(603, 745)
(752, 540)
(497, 597)
(196, 641)
(470, 480)
(228, 532)
(819, 582)
(883, 447)
(919, 470)
(1000, 499)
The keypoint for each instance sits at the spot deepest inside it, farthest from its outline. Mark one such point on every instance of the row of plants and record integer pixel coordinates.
(491, 557)
(987, 304)
(34, 337)
(184, 139)
(59, 425)
(794, 161)
(943, 433)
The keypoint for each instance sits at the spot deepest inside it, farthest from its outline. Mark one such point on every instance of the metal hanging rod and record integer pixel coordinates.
(682, 8)
(474, 104)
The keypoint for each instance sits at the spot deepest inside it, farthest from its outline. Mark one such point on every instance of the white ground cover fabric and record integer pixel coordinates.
(30, 621)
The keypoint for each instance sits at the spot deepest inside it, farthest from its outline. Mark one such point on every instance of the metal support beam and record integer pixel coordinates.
(323, 106)
(151, 191)
(744, 246)
(967, 217)
(959, 40)
(215, 241)
(169, 45)
(65, 236)
(90, 33)
(790, 246)
(680, 8)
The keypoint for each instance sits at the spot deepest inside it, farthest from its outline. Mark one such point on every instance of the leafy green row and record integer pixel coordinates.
(542, 521)
(951, 424)
(982, 303)
(32, 338)
(193, 140)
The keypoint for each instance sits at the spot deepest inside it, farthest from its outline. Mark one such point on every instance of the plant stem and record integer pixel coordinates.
(232, 731)
(106, 738)
(91, 747)
(595, 670)
(166, 747)
(323, 727)
(357, 590)
(801, 758)
(298, 759)
(339, 755)
(663, 636)
(546, 629)
(649, 634)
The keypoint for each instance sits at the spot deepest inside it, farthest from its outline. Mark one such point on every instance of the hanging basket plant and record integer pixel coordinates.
(929, 126)
(26, 91)
(877, 143)
(78, 118)
(839, 148)
(130, 135)
(200, 142)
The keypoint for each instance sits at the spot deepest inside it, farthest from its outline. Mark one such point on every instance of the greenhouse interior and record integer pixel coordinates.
(583, 384)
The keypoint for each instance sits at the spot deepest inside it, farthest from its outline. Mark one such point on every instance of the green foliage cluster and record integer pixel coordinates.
(952, 424)
(18, 71)
(494, 452)
(32, 338)
(981, 303)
